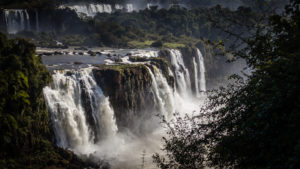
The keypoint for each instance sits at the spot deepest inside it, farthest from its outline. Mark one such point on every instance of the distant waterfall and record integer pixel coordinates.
(80, 112)
(129, 8)
(182, 75)
(16, 20)
(91, 10)
(201, 67)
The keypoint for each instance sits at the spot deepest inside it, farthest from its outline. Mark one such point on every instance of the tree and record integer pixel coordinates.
(254, 123)
(26, 138)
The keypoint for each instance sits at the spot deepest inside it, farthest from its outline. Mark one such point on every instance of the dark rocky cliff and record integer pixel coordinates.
(187, 53)
(128, 88)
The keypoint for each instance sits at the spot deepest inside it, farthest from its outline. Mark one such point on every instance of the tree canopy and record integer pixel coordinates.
(26, 139)
(253, 123)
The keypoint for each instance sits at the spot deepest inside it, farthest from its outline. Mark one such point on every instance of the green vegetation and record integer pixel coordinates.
(175, 27)
(256, 123)
(145, 44)
(122, 68)
(26, 135)
(138, 44)
(173, 45)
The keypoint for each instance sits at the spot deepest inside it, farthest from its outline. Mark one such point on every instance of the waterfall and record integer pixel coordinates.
(201, 80)
(84, 121)
(196, 77)
(182, 75)
(107, 8)
(27, 20)
(80, 113)
(91, 10)
(119, 7)
(164, 96)
(16, 20)
(37, 25)
(129, 8)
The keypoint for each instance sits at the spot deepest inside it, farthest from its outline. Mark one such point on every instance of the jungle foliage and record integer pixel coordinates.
(119, 29)
(26, 139)
(250, 124)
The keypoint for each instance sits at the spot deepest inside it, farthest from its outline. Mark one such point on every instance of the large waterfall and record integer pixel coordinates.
(80, 113)
(164, 96)
(84, 120)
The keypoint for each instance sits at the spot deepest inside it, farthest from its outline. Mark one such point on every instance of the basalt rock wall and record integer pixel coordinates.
(128, 89)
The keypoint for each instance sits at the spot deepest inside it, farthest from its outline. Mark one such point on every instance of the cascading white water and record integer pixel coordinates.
(27, 20)
(74, 100)
(91, 10)
(67, 97)
(201, 80)
(182, 75)
(129, 8)
(164, 96)
(16, 20)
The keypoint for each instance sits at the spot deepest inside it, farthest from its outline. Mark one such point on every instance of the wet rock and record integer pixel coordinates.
(118, 60)
(77, 63)
(58, 53)
(47, 54)
(128, 88)
(160, 63)
(91, 53)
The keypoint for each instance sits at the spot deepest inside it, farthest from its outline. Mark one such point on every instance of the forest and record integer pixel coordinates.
(175, 26)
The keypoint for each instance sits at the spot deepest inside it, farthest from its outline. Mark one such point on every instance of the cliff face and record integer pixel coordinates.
(188, 54)
(161, 63)
(128, 88)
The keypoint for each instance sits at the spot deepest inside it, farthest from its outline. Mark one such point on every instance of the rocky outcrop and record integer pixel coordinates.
(188, 53)
(160, 63)
(128, 89)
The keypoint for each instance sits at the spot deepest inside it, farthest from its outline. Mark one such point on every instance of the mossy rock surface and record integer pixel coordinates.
(160, 63)
(128, 88)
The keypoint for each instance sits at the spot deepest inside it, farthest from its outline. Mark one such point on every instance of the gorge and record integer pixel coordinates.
(109, 111)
